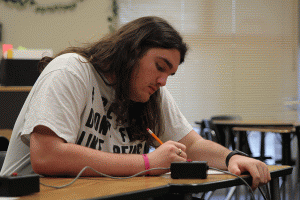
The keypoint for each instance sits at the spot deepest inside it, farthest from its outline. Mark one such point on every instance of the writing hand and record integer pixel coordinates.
(165, 154)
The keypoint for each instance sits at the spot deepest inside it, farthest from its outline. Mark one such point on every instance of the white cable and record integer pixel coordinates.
(127, 177)
(105, 175)
(226, 172)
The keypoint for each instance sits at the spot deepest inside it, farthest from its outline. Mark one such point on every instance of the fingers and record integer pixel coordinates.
(177, 144)
(179, 152)
(235, 170)
(173, 151)
(179, 149)
(182, 154)
(165, 154)
(260, 175)
(257, 169)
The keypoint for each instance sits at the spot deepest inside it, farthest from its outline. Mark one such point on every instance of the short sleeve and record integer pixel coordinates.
(175, 124)
(58, 102)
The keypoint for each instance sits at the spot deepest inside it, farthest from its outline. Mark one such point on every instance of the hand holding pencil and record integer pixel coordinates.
(155, 137)
(165, 154)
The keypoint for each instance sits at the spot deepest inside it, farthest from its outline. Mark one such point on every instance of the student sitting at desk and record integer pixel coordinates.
(92, 105)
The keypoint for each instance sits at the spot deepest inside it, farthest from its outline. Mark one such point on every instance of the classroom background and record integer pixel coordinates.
(243, 57)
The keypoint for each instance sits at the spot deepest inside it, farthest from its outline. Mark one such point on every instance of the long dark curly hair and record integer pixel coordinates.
(118, 54)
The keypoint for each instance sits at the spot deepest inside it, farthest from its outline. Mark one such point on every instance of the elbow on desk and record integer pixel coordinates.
(38, 167)
(45, 166)
(48, 162)
(47, 152)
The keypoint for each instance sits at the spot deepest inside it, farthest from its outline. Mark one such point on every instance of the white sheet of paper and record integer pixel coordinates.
(211, 171)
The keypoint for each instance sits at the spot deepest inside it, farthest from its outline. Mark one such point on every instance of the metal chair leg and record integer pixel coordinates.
(230, 193)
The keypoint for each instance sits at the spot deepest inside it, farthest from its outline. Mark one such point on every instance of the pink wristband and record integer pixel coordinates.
(147, 164)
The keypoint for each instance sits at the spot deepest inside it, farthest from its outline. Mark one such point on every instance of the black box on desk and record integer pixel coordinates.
(12, 186)
(189, 170)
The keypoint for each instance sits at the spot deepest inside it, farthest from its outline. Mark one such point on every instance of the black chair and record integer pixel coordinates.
(2, 157)
(216, 133)
(4, 142)
(210, 131)
(222, 132)
(206, 130)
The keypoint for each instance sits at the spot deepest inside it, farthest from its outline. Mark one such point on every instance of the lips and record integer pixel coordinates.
(153, 89)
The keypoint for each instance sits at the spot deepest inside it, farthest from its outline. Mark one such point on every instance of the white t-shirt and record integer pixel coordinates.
(72, 100)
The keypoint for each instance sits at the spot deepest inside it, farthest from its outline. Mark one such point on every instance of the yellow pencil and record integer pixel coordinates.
(155, 137)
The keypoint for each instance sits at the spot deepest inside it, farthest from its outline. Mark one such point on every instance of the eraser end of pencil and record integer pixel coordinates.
(148, 129)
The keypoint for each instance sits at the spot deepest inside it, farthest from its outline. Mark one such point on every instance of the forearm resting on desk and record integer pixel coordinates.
(206, 150)
(51, 155)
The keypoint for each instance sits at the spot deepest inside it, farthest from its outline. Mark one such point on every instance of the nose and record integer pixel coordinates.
(162, 80)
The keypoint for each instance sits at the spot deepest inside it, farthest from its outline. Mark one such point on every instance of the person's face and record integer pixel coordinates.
(153, 71)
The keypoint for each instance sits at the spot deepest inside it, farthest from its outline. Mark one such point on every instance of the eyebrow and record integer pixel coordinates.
(168, 63)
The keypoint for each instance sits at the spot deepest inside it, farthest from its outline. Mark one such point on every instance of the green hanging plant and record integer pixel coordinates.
(19, 4)
(22, 4)
(58, 7)
(114, 18)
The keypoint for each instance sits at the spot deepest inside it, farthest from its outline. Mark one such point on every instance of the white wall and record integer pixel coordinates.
(251, 73)
(217, 77)
(24, 27)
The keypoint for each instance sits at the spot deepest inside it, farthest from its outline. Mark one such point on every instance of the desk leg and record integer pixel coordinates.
(286, 160)
(298, 157)
(227, 137)
(262, 146)
(238, 140)
(274, 189)
(286, 149)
